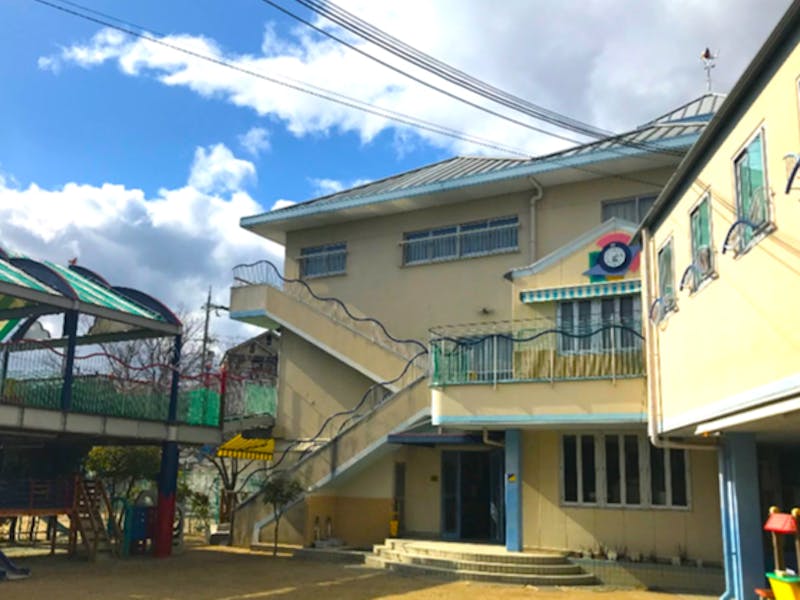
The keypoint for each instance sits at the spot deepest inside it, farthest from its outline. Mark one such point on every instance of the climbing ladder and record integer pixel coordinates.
(92, 520)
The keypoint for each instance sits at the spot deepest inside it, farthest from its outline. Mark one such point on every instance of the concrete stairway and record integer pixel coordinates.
(477, 562)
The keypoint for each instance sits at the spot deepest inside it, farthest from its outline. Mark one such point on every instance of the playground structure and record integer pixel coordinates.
(784, 582)
(86, 387)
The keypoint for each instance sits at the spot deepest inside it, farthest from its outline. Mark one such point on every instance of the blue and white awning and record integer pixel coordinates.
(578, 292)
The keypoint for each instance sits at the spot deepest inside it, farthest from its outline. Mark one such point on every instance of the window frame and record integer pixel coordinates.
(637, 200)
(572, 345)
(644, 450)
(768, 226)
(459, 232)
(670, 302)
(326, 250)
(700, 278)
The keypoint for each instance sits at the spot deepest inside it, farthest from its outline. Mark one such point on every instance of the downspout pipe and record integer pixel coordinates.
(487, 441)
(651, 362)
(538, 192)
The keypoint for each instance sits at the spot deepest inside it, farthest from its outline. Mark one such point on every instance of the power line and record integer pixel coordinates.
(288, 82)
(419, 80)
(393, 45)
(143, 33)
(380, 38)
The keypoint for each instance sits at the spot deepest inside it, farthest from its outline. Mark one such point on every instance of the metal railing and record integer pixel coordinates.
(515, 352)
(264, 272)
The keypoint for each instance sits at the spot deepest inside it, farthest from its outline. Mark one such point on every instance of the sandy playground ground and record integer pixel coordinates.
(214, 573)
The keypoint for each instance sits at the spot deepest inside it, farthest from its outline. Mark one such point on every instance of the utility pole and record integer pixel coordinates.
(208, 306)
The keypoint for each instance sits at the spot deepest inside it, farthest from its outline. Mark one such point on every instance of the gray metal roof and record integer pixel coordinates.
(673, 131)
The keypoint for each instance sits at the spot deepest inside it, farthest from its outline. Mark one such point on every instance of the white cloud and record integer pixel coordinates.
(172, 245)
(282, 204)
(325, 186)
(612, 64)
(255, 141)
(218, 170)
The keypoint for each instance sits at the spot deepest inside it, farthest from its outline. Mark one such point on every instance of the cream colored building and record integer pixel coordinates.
(722, 254)
(461, 347)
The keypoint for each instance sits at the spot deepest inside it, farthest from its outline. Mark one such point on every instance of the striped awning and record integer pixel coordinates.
(250, 449)
(578, 292)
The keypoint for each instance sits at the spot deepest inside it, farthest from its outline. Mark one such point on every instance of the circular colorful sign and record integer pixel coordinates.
(615, 257)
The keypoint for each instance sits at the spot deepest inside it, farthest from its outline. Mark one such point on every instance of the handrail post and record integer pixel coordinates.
(494, 360)
(613, 332)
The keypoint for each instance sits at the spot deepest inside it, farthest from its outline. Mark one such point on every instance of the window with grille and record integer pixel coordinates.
(752, 199)
(622, 469)
(478, 238)
(320, 261)
(629, 209)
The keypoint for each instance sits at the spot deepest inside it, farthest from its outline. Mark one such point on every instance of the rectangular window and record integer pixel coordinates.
(630, 209)
(608, 470)
(752, 199)
(585, 325)
(319, 261)
(666, 277)
(478, 238)
(702, 256)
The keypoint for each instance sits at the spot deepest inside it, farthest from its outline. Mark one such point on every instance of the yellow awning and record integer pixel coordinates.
(252, 449)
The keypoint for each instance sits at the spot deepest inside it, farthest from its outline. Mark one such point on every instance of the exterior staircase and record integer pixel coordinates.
(478, 562)
(360, 437)
(261, 296)
(92, 522)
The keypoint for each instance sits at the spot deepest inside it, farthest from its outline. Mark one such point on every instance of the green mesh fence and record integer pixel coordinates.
(101, 396)
(260, 399)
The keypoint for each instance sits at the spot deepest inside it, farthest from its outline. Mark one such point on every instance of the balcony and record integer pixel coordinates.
(536, 351)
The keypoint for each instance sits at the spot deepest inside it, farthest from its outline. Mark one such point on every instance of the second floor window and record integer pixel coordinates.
(702, 255)
(752, 200)
(630, 209)
(478, 238)
(666, 277)
(319, 261)
(587, 325)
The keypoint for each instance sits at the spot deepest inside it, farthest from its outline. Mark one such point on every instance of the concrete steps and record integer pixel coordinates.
(475, 562)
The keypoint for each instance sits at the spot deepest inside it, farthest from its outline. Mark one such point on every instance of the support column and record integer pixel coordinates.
(71, 333)
(741, 522)
(167, 488)
(513, 448)
(168, 476)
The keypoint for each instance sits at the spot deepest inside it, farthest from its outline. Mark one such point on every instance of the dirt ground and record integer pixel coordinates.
(214, 573)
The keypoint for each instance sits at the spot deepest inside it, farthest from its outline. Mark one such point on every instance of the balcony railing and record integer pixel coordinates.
(518, 352)
(245, 398)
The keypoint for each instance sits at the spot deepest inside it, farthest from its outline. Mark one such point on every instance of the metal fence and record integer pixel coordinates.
(589, 350)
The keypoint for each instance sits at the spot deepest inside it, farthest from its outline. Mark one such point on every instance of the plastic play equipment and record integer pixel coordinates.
(784, 583)
(8, 570)
(138, 523)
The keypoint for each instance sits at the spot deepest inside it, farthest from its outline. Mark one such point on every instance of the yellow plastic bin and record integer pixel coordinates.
(785, 587)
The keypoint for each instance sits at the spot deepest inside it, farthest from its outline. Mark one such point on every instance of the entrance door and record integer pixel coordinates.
(473, 496)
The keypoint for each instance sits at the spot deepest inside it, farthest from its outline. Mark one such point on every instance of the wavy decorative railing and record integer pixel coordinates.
(264, 272)
(595, 350)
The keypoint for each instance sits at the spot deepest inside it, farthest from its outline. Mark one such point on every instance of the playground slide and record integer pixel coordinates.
(8, 570)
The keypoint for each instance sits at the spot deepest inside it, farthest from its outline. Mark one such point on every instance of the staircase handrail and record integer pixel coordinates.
(273, 278)
(353, 420)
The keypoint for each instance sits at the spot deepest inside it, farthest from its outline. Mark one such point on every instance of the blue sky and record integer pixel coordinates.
(140, 160)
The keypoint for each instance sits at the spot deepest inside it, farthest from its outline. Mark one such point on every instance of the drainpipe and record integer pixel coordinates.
(651, 364)
(538, 192)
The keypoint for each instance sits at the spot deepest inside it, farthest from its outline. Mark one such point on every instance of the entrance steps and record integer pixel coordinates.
(478, 562)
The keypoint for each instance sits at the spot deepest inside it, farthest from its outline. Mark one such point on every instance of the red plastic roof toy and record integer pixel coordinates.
(781, 523)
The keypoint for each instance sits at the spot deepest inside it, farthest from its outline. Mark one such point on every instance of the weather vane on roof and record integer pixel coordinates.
(709, 62)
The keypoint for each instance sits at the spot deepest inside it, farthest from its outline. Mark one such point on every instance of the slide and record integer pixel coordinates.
(8, 570)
